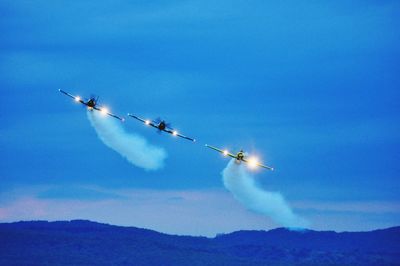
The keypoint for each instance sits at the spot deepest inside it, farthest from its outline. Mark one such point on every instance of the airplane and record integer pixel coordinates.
(161, 126)
(240, 157)
(92, 104)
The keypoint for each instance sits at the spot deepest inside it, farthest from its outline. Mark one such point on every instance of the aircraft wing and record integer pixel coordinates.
(147, 122)
(266, 167)
(226, 153)
(175, 133)
(185, 137)
(117, 117)
(259, 164)
(76, 98)
(105, 111)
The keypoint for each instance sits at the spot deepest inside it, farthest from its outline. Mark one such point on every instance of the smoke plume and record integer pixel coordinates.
(132, 147)
(241, 184)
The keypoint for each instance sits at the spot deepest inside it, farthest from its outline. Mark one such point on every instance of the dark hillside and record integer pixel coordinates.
(81, 242)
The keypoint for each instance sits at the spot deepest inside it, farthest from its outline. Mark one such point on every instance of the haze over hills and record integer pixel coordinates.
(81, 242)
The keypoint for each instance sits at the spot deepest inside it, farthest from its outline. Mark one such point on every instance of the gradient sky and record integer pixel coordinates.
(312, 88)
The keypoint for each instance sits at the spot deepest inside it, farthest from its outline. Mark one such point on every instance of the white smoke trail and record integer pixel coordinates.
(239, 181)
(131, 146)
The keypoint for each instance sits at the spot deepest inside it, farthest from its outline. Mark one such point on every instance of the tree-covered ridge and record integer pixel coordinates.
(82, 242)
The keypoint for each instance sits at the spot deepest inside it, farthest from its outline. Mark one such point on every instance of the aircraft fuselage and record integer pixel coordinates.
(240, 156)
(162, 125)
(91, 103)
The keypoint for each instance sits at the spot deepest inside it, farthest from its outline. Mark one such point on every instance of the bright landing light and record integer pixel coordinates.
(174, 132)
(147, 122)
(253, 162)
(77, 98)
(104, 111)
(225, 152)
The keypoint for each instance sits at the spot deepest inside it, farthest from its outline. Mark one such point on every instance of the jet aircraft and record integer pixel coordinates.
(241, 157)
(161, 126)
(92, 104)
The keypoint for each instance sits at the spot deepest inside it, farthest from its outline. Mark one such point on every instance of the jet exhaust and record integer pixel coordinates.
(241, 184)
(132, 147)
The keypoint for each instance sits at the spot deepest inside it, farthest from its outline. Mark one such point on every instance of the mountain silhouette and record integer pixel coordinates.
(81, 242)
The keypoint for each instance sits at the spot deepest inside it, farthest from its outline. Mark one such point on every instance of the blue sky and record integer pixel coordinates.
(312, 88)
